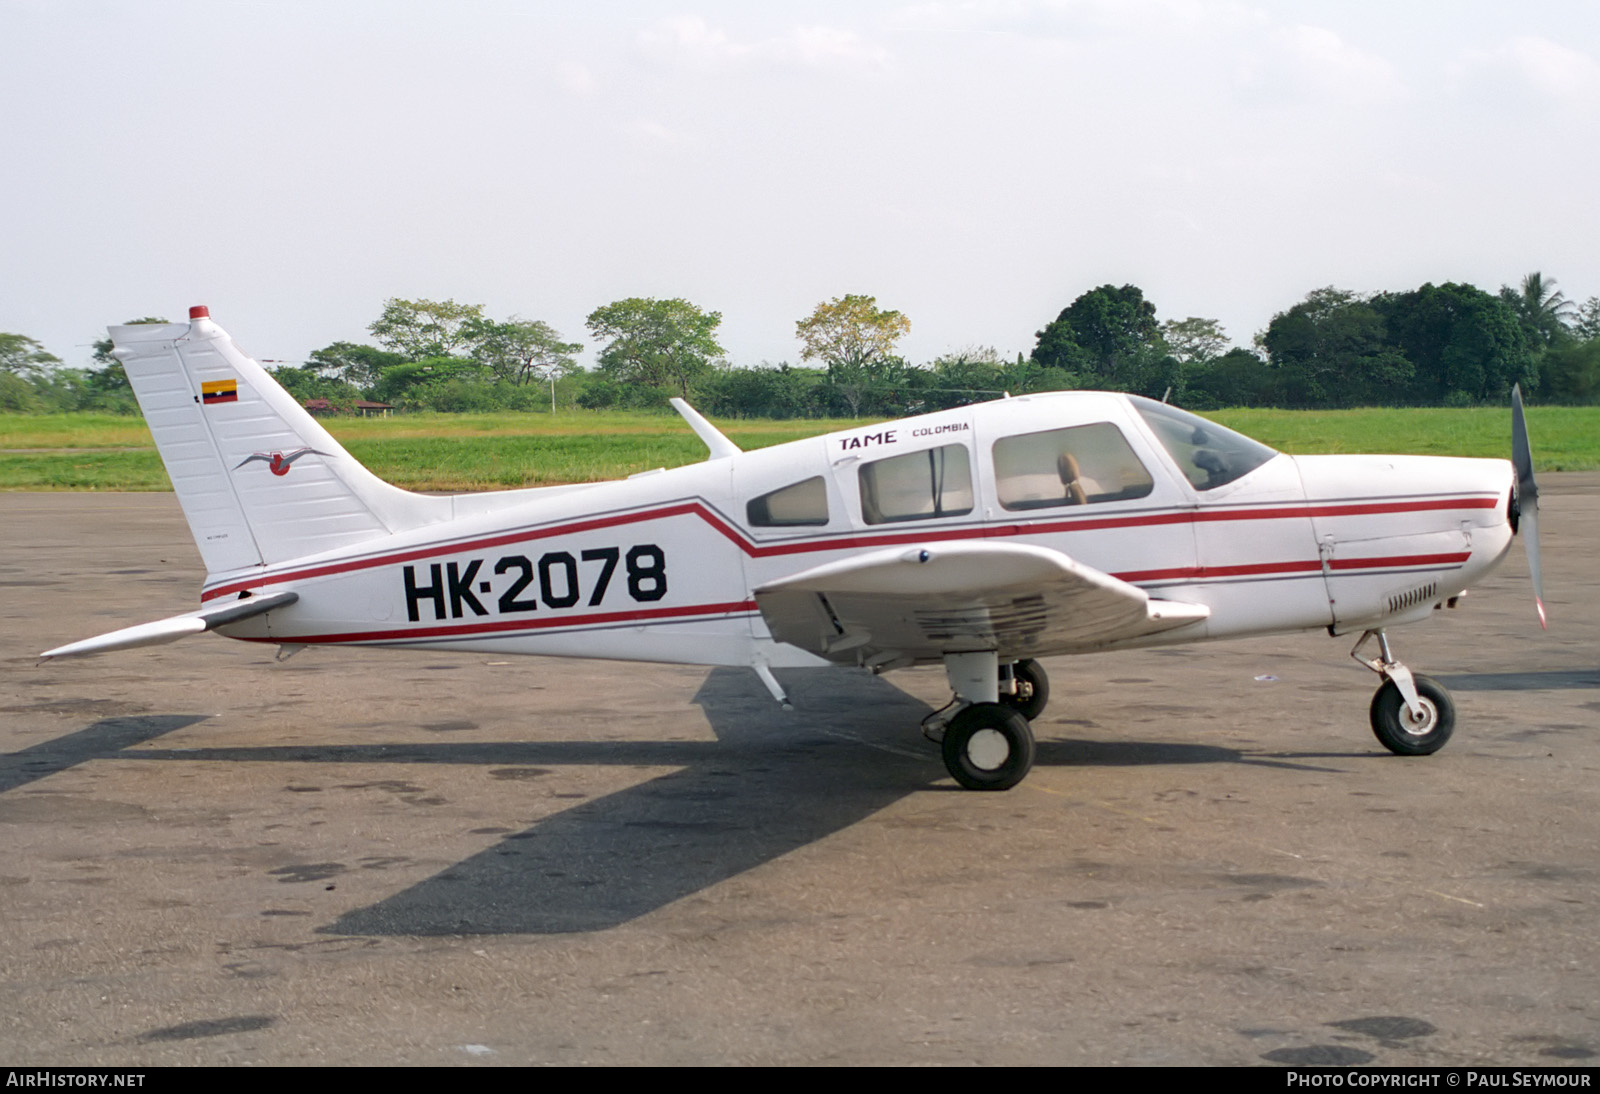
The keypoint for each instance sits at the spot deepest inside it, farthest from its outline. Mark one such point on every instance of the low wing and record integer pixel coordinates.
(912, 604)
(173, 628)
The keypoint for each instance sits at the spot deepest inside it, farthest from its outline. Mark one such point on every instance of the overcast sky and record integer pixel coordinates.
(975, 165)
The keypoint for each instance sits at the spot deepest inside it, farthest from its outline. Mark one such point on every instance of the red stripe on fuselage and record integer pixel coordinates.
(522, 624)
(1185, 573)
(1297, 566)
(857, 541)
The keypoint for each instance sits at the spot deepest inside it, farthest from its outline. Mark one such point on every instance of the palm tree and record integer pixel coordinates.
(1542, 307)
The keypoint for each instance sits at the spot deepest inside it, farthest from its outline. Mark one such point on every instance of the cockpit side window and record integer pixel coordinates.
(935, 482)
(800, 504)
(1073, 466)
(1208, 455)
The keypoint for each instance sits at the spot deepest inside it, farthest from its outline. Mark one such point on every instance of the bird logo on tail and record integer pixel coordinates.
(278, 462)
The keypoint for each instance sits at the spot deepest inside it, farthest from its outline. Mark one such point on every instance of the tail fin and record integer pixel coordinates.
(259, 479)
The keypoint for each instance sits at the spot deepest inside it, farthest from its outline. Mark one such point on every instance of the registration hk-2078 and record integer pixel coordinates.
(556, 579)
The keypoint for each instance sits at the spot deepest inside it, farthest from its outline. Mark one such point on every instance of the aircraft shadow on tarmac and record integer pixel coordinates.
(770, 783)
(105, 738)
(1551, 679)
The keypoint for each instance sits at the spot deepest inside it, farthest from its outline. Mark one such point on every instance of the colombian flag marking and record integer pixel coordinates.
(219, 391)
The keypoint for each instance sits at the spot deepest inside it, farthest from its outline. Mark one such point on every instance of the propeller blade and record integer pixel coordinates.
(1527, 497)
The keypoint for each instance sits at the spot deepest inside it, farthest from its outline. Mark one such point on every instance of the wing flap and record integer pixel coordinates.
(174, 627)
(922, 602)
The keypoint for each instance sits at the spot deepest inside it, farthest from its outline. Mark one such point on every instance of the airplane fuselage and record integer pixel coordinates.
(664, 566)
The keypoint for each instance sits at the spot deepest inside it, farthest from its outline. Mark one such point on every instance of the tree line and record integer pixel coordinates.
(1451, 345)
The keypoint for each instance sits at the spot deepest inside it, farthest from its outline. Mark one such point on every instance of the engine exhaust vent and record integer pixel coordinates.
(1399, 602)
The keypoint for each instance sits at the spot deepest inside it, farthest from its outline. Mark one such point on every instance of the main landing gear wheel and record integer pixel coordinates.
(1032, 690)
(988, 746)
(1404, 734)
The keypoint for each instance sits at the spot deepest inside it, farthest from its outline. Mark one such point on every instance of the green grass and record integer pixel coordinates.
(83, 469)
(479, 451)
(417, 451)
(493, 451)
(1564, 438)
(71, 431)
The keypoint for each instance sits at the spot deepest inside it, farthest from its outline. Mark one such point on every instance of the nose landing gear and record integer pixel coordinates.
(1411, 715)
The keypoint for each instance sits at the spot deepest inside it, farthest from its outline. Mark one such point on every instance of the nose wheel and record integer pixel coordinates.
(1408, 734)
(1411, 715)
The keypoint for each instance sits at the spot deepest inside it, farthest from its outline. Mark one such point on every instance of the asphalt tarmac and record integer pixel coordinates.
(367, 857)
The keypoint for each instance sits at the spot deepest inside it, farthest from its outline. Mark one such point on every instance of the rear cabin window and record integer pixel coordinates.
(798, 505)
(1073, 466)
(923, 485)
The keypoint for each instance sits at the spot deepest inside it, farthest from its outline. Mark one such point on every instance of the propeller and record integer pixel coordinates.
(1525, 499)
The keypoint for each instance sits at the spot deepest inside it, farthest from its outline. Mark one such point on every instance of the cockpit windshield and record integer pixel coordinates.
(1208, 454)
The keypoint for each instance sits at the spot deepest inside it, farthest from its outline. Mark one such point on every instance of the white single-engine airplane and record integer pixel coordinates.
(981, 538)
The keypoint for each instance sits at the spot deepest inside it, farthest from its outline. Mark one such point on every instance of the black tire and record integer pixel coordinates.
(988, 747)
(1395, 728)
(1033, 690)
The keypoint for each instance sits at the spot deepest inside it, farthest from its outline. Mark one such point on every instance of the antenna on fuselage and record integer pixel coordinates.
(720, 446)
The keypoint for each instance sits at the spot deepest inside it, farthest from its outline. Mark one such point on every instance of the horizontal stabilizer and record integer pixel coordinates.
(174, 628)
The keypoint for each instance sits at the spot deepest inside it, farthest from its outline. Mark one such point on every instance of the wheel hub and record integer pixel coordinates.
(1419, 727)
(988, 750)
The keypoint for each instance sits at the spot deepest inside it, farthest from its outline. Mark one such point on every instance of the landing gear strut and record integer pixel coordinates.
(988, 744)
(1411, 715)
